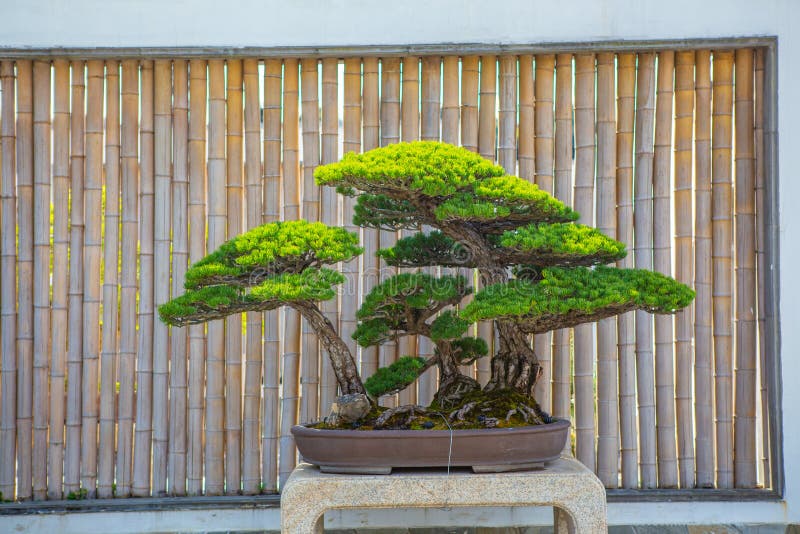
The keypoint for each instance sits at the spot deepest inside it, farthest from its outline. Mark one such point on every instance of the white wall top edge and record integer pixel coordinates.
(324, 23)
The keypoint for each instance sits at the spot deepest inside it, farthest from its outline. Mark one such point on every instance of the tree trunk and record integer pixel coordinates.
(344, 366)
(515, 364)
(453, 385)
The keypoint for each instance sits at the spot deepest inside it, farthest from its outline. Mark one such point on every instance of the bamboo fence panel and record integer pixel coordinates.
(8, 276)
(251, 408)
(562, 190)
(351, 142)
(487, 147)
(176, 450)
(329, 213)
(197, 247)
(41, 271)
(703, 342)
(162, 219)
(390, 133)
(233, 324)
(584, 344)
(410, 131)
(25, 188)
(643, 259)
(544, 150)
(215, 330)
(144, 348)
(370, 237)
(128, 283)
(744, 449)
(310, 361)
(626, 86)
(292, 191)
(722, 262)
(271, 211)
(606, 198)
(58, 334)
(662, 260)
(130, 205)
(684, 261)
(91, 265)
(761, 263)
(111, 217)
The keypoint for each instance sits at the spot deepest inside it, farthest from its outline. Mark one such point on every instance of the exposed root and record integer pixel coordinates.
(511, 413)
(490, 422)
(411, 410)
(461, 413)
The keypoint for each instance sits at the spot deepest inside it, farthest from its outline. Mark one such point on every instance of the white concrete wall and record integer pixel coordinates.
(268, 23)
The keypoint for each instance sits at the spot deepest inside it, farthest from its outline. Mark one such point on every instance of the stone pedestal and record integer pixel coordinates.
(578, 497)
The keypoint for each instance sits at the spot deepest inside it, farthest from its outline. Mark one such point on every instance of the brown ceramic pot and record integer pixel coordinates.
(378, 451)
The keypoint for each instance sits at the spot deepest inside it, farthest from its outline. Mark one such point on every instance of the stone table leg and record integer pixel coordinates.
(562, 522)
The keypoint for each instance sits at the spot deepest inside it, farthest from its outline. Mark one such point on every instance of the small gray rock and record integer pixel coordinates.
(349, 408)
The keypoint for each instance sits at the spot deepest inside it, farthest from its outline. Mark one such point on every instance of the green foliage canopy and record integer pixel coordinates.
(567, 297)
(395, 377)
(271, 249)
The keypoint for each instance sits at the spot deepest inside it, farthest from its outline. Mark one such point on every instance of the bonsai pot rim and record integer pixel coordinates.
(483, 449)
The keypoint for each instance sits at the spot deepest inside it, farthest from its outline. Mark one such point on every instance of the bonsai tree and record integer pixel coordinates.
(540, 271)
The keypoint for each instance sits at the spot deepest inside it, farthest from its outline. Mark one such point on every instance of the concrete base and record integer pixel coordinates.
(578, 497)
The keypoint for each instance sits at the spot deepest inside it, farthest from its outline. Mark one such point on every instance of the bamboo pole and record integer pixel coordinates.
(761, 264)
(271, 212)
(215, 330)
(745, 394)
(371, 238)
(431, 111)
(684, 260)
(410, 105)
(469, 140)
(108, 389)
(606, 199)
(390, 133)
(507, 115)
(91, 266)
(176, 455)
(329, 212)
(310, 194)
(562, 189)
(233, 323)
(41, 271)
(162, 219)
(469, 102)
(144, 348)
(351, 142)
(487, 147)
(251, 417)
(197, 247)
(662, 258)
(450, 134)
(544, 153)
(8, 282)
(24, 154)
(626, 85)
(584, 204)
(58, 333)
(292, 191)
(410, 131)
(643, 259)
(704, 349)
(450, 100)
(722, 239)
(526, 157)
(128, 284)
